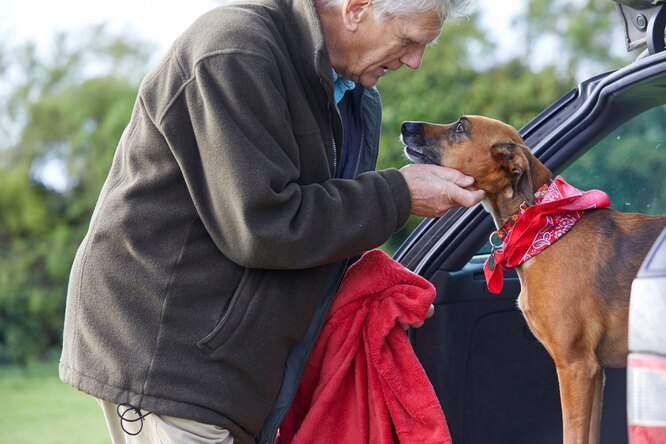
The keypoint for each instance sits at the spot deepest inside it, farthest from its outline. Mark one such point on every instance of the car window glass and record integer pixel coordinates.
(629, 164)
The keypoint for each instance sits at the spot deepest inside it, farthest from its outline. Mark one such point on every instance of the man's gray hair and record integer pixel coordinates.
(446, 9)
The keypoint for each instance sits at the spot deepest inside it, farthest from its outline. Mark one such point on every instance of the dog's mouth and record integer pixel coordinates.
(420, 155)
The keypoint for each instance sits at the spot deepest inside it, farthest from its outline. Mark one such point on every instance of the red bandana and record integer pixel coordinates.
(557, 207)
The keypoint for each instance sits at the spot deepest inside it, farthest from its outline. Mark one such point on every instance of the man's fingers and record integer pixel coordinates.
(465, 197)
(448, 174)
(454, 176)
(429, 314)
(434, 190)
(477, 196)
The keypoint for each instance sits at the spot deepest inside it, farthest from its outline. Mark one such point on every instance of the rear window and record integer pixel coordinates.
(629, 164)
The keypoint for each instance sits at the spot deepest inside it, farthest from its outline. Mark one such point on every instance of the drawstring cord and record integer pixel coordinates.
(129, 408)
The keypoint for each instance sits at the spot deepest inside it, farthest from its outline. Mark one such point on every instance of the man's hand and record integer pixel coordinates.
(435, 189)
(431, 311)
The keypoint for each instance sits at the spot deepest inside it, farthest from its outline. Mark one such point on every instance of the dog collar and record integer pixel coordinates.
(556, 209)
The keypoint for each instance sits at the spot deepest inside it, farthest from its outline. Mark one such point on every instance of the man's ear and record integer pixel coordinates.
(515, 161)
(353, 12)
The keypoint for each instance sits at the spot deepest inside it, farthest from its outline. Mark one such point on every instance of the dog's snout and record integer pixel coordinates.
(413, 136)
(411, 128)
(412, 133)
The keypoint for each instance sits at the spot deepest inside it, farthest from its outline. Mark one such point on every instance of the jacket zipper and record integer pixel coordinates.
(360, 145)
(335, 148)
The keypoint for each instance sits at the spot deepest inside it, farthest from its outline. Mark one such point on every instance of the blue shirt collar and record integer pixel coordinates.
(341, 86)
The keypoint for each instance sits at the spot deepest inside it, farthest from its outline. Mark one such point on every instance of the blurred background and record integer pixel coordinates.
(69, 74)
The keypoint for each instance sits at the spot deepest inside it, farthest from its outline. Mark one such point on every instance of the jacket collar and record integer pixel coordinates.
(306, 37)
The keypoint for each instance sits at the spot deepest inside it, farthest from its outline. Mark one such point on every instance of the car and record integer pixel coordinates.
(646, 371)
(495, 381)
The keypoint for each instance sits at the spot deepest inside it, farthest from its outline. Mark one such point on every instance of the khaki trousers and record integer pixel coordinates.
(151, 428)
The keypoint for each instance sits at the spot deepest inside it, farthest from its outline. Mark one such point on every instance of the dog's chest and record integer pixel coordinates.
(536, 283)
(523, 297)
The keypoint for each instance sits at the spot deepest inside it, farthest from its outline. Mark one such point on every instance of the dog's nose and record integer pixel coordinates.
(411, 128)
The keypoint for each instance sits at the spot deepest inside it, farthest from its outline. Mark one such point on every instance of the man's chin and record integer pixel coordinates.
(369, 82)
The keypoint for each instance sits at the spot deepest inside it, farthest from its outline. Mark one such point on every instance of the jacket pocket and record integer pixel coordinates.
(233, 313)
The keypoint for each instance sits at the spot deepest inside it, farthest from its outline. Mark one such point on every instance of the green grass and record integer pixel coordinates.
(37, 408)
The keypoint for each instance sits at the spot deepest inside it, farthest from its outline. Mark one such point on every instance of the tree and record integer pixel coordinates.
(579, 38)
(68, 110)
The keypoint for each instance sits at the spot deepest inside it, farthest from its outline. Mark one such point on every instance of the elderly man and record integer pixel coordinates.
(238, 191)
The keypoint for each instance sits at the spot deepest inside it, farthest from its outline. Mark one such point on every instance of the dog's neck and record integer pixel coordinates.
(501, 213)
(504, 204)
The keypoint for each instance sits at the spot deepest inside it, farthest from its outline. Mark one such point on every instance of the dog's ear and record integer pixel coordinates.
(515, 159)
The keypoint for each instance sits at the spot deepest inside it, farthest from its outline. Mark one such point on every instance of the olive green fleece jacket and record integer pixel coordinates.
(220, 235)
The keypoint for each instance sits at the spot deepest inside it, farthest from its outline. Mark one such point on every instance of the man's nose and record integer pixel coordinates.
(413, 57)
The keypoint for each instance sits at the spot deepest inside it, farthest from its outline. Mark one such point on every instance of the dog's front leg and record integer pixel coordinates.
(578, 384)
(595, 419)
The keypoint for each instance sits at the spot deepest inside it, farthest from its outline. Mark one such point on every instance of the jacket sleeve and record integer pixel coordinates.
(243, 167)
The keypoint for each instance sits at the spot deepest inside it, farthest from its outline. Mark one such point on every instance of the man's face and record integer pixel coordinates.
(381, 47)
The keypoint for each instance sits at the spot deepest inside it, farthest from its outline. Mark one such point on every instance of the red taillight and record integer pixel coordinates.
(646, 393)
(645, 434)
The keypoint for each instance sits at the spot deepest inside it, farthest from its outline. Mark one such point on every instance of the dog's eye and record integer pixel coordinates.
(459, 128)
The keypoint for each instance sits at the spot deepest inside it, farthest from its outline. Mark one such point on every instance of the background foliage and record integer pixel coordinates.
(67, 112)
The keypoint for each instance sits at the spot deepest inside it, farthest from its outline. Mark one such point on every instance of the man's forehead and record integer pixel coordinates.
(422, 28)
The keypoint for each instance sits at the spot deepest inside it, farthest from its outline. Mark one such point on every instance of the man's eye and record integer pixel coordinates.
(460, 128)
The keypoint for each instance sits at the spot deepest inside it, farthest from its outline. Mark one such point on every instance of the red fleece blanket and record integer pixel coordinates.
(363, 382)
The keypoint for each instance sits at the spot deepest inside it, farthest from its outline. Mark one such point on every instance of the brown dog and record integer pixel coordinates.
(575, 293)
